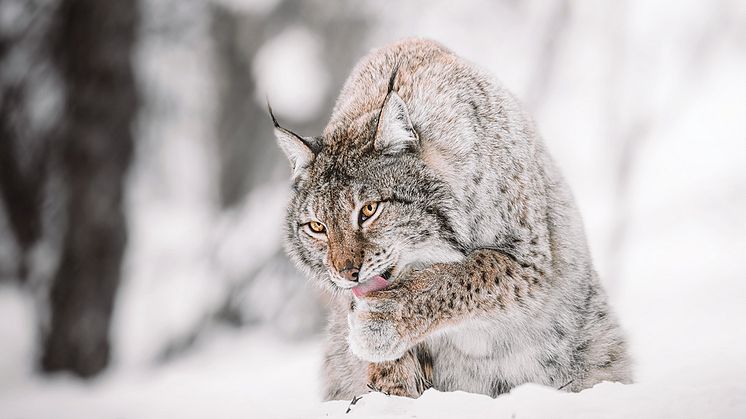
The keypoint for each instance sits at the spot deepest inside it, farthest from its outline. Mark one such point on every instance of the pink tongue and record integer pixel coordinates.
(376, 283)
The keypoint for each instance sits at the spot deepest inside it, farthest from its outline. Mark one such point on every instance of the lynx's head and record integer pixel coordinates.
(365, 206)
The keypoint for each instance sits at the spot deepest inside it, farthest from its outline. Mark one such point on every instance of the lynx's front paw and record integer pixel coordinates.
(408, 376)
(374, 335)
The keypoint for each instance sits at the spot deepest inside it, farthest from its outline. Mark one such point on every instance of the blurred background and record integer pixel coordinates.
(142, 192)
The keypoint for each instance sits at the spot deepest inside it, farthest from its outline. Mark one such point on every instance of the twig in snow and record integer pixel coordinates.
(355, 399)
(565, 385)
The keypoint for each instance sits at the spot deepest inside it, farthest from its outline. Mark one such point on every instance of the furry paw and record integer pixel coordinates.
(374, 335)
(406, 377)
(402, 389)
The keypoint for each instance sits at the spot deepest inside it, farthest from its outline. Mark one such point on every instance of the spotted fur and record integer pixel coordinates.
(493, 285)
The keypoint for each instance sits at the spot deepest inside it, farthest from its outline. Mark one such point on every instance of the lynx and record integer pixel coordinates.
(431, 212)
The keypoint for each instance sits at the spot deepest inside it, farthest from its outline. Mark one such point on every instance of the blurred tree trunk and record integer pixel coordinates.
(24, 57)
(249, 156)
(93, 150)
(245, 160)
(21, 190)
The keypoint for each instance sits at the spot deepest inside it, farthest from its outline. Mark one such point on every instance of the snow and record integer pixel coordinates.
(667, 398)
(230, 375)
(256, 375)
(673, 72)
(17, 335)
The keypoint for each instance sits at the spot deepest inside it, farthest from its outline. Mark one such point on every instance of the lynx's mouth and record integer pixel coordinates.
(374, 283)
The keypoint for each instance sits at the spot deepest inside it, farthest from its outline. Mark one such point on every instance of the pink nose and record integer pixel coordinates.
(349, 272)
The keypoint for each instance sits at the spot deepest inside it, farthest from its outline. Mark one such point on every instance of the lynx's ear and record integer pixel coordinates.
(296, 148)
(395, 132)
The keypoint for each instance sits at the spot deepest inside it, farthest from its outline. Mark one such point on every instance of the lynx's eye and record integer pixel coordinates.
(368, 211)
(317, 227)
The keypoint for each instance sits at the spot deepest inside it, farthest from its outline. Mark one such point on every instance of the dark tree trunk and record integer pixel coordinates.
(94, 147)
(20, 190)
(23, 145)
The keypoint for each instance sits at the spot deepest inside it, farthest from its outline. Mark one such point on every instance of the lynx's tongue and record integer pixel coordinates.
(376, 283)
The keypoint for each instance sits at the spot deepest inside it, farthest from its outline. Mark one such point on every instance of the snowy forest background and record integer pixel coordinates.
(142, 192)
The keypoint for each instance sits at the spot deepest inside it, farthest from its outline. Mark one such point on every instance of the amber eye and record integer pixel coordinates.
(316, 227)
(368, 210)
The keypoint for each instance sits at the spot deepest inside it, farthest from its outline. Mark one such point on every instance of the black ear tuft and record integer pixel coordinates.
(272, 114)
(392, 79)
(297, 149)
(395, 131)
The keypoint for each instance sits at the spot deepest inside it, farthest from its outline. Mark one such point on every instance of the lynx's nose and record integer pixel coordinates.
(349, 272)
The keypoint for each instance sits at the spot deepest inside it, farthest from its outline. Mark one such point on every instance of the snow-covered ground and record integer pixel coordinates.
(642, 105)
(690, 360)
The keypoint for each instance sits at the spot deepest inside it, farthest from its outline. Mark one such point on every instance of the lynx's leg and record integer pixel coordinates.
(344, 374)
(408, 376)
(385, 324)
